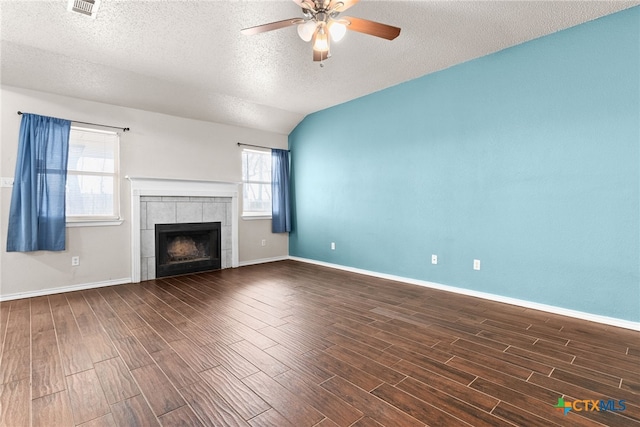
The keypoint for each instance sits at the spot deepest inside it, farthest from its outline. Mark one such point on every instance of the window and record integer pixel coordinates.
(256, 179)
(92, 176)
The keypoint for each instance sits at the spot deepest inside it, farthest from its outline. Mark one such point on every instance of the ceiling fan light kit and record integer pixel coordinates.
(320, 22)
(321, 39)
(337, 30)
(306, 30)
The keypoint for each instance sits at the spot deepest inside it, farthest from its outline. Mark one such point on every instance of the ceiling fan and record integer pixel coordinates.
(320, 20)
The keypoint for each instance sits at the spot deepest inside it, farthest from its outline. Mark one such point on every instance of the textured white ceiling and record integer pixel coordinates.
(188, 58)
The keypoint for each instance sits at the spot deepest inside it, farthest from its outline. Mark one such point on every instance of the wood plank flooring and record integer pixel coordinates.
(294, 344)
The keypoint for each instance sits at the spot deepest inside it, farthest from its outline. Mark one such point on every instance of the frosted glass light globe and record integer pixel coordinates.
(306, 30)
(337, 31)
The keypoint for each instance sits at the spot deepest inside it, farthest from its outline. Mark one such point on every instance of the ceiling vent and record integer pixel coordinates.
(85, 7)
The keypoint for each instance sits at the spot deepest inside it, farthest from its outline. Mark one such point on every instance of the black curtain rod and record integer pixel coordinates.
(94, 124)
(256, 146)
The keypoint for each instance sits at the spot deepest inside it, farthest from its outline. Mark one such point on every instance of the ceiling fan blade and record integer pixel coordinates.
(272, 26)
(320, 56)
(346, 4)
(372, 28)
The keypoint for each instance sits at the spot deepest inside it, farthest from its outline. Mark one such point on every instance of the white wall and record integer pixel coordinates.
(157, 146)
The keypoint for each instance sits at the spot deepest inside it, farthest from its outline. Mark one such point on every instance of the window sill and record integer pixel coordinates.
(254, 217)
(97, 223)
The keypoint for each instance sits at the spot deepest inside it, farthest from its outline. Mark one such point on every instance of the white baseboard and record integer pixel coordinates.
(627, 324)
(51, 291)
(262, 260)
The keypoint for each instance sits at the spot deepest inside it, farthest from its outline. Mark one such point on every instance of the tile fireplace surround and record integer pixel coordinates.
(173, 201)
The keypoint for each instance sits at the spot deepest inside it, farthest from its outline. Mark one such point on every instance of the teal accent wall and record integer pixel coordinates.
(527, 159)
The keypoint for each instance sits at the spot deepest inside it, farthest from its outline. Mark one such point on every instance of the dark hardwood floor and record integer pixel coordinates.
(294, 344)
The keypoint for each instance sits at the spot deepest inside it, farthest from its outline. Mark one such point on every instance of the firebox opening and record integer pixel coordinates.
(187, 248)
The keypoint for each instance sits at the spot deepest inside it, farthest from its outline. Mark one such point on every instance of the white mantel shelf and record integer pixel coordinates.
(178, 187)
(141, 186)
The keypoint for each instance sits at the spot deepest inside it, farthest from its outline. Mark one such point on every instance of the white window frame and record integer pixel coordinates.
(99, 220)
(254, 214)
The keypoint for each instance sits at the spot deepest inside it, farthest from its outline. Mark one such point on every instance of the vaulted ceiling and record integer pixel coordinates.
(188, 58)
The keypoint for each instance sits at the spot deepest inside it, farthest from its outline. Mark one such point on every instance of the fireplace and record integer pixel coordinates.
(187, 248)
(169, 201)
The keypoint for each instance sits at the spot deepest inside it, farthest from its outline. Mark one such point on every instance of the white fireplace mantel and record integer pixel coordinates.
(178, 188)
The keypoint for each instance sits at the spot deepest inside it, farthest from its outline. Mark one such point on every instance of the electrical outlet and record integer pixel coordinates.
(264, 242)
(6, 182)
(75, 261)
(333, 246)
(476, 264)
(434, 259)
